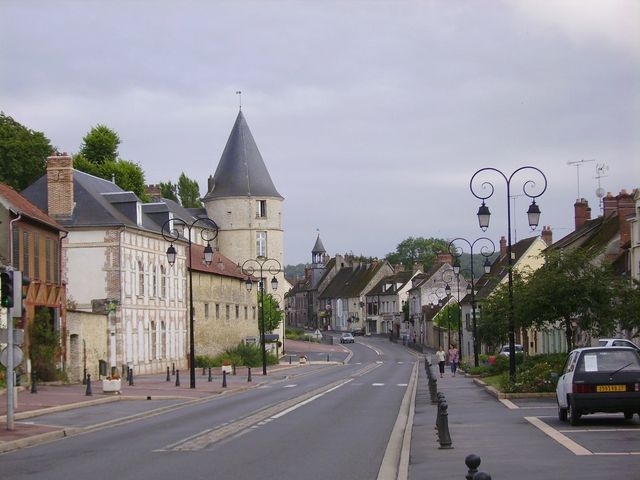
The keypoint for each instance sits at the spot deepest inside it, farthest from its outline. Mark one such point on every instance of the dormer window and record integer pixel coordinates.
(261, 209)
(138, 213)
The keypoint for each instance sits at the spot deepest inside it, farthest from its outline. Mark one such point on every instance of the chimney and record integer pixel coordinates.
(444, 258)
(60, 201)
(626, 207)
(582, 212)
(546, 235)
(503, 246)
(398, 268)
(609, 205)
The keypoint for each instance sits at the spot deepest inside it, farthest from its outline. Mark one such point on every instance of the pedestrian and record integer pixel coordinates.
(453, 358)
(440, 357)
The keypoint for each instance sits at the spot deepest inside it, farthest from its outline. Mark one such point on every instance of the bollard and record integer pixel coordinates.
(472, 461)
(168, 375)
(204, 371)
(433, 390)
(88, 392)
(84, 377)
(131, 376)
(289, 359)
(224, 379)
(34, 388)
(249, 374)
(327, 357)
(482, 476)
(443, 435)
(233, 369)
(210, 378)
(173, 369)
(177, 378)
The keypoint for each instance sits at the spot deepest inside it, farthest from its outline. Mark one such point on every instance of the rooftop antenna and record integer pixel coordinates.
(601, 168)
(239, 93)
(577, 163)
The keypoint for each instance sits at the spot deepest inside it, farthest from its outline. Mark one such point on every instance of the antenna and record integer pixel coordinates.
(601, 168)
(239, 93)
(577, 163)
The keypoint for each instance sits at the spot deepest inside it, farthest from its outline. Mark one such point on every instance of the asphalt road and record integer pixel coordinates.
(332, 422)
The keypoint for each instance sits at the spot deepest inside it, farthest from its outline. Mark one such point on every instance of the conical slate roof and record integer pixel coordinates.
(318, 247)
(241, 170)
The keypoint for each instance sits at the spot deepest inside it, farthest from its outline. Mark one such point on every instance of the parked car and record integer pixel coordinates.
(617, 342)
(357, 332)
(504, 351)
(599, 379)
(347, 338)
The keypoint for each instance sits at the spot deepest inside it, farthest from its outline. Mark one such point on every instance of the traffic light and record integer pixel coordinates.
(7, 289)
(19, 281)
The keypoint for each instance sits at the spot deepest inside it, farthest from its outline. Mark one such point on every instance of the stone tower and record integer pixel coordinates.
(245, 204)
(317, 262)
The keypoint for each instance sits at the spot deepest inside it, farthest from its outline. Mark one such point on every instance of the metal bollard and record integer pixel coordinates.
(168, 375)
(327, 357)
(472, 461)
(34, 387)
(249, 374)
(482, 476)
(233, 369)
(130, 376)
(84, 377)
(224, 379)
(173, 369)
(88, 391)
(177, 378)
(443, 433)
(433, 390)
(204, 371)
(210, 378)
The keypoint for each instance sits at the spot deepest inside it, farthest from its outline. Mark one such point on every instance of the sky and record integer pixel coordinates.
(371, 116)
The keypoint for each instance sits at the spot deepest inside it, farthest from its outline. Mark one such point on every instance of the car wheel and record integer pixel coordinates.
(562, 414)
(628, 415)
(573, 413)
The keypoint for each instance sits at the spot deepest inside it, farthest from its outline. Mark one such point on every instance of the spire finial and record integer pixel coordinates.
(239, 93)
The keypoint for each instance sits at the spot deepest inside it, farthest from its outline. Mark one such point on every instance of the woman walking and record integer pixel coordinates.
(440, 358)
(453, 358)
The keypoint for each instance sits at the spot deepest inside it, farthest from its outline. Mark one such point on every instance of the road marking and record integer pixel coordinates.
(563, 440)
(509, 404)
(308, 400)
(403, 385)
(290, 385)
(377, 384)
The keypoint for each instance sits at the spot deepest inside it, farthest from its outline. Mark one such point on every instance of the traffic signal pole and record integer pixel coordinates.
(7, 301)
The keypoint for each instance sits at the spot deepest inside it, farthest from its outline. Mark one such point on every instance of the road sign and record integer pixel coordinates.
(18, 356)
(18, 336)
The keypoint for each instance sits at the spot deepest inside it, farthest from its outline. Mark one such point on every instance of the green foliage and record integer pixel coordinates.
(44, 345)
(419, 250)
(272, 313)
(537, 374)
(189, 192)
(448, 317)
(23, 153)
(168, 190)
(100, 145)
(241, 355)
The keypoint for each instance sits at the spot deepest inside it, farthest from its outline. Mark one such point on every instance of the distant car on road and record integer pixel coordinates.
(357, 332)
(504, 351)
(347, 338)
(599, 379)
(617, 342)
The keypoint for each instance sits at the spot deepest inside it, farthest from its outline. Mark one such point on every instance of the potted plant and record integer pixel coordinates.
(112, 384)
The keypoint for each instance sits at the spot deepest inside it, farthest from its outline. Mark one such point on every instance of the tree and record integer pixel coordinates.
(100, 145)
(168, 190)
(23, 153)
(419, 250)
(189, 192)
(575, 289)
(272, 312)
(44, 345)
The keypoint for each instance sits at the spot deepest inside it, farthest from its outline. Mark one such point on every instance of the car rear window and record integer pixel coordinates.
(609, 361)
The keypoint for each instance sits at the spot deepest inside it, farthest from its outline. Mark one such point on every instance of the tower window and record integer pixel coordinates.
(261, 244)
(261, 208)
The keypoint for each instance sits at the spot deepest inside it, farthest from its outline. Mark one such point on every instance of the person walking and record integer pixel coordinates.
(440, 358)
(453, 358)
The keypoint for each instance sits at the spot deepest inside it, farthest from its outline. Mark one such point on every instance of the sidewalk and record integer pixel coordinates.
(54, 398)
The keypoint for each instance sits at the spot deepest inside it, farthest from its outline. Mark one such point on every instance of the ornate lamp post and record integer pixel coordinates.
(487, 249)
(262, 265)
(434, 300)
(447, 278)
(529, 187)
(208, 232)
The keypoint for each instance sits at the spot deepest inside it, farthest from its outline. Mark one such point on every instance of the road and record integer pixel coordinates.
(331, 422)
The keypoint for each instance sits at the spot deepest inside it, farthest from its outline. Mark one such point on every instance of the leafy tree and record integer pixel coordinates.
(100, 145)
(419, 250)
(272, 312)
(189, 192)
(23, 153)
(128, 176)
(44, 345)
(572, 288)
(627, 305)
(168, 190)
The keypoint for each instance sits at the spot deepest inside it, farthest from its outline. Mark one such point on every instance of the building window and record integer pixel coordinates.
(25, 253)
(36, 255)
(237, 312)
(16, 248)
(140, 278)
(227, 312)
(261, 244)
(163, 282)
(217, 311)
(206, 311)
(56, 262)
(47, 260)
(246, 312)
(154, 281)
(261, 209)
(253, 313)
(154, 343)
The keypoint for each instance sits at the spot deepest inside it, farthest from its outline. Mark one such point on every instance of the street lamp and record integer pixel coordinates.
(487, 248)
(434, 299)
(263, 265)
(447, 278)
(529, 187)
(208, 232)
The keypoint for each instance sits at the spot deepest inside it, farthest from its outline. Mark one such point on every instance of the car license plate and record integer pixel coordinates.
(611, 388)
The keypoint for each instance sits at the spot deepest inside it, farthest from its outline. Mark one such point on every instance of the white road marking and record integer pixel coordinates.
(402, 384)
(308, 400)
(377, 384)
(563, 440)
(509, 404)
(290, 385)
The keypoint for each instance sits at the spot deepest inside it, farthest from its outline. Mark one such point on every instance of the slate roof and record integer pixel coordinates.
(19, 204)
(351, 281)
(318, 247)
(241, 171)
(594, 233)
(396, 282)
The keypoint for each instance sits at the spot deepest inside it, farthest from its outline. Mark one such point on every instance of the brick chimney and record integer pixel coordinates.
(547, 235)
(609, 205)
(626, 207)
(443, 258)
(503, 246)
(60, 202)
(582, 212)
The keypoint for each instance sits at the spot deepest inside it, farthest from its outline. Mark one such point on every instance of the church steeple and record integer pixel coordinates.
(318, 251)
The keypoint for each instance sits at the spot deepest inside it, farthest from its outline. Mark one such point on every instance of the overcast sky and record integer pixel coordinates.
(371, 116)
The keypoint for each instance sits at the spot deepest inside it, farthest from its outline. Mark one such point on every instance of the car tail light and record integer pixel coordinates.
(583, 388)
